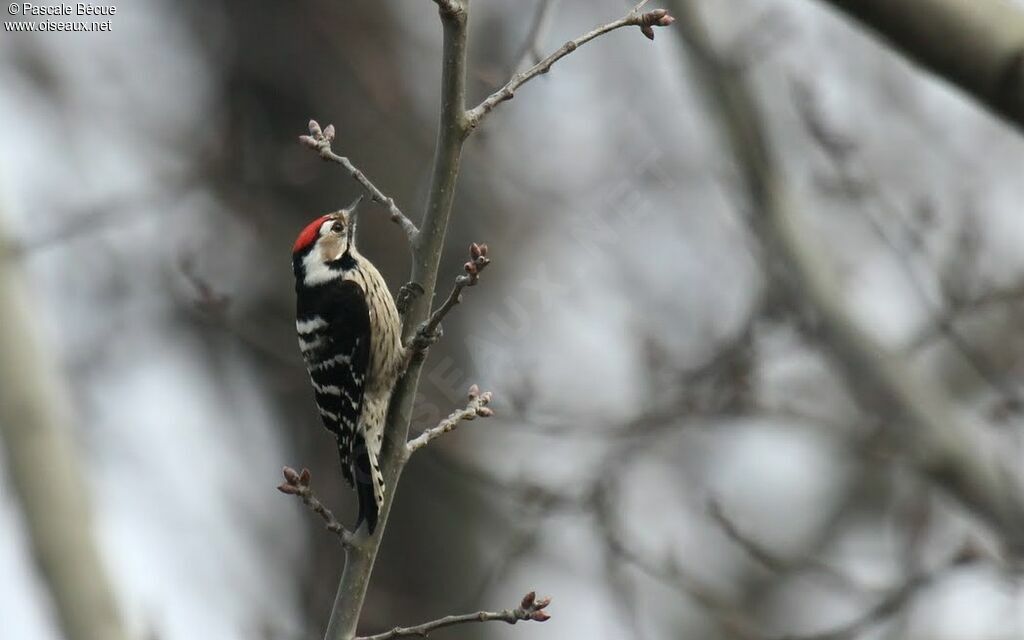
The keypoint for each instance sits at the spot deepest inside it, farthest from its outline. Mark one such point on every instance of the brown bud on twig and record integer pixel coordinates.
(290, 475)
(290, 489)
(314, 129)
(539, 616)
(543, 602)
(478, 260)
(474, 391)
(309, 141)
(304, 478)
(485, 412)
(655, 18)
(529, 598)
(329, 132)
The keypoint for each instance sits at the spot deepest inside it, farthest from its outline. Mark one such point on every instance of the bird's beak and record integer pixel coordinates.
(353, 219)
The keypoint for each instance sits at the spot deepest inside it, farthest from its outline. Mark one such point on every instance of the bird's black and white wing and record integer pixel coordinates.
(334, 334)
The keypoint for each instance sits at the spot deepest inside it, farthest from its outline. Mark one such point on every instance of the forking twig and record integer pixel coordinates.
(320, 140)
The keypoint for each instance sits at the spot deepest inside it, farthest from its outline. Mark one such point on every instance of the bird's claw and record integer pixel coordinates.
(407, 294)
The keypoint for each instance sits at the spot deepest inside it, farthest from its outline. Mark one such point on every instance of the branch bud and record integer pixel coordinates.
(329, 132)
(655, 18)
(314, 129)
(290, 475)
(529, 598)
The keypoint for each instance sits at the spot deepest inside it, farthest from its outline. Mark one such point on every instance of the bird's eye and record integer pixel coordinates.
(339, 227)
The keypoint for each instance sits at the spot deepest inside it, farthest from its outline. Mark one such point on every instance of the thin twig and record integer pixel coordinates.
(957, 311)
(320, 141)
(892, 603)
(476, 407)
(531, 608)
(296, 483)
(732, 620)
(646, 22)
(772, 561)
(427, 333)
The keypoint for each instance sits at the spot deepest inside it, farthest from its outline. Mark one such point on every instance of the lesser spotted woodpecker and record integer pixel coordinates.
(350, 337)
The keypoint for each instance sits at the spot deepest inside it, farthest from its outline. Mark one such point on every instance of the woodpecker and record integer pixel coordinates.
(350, 337)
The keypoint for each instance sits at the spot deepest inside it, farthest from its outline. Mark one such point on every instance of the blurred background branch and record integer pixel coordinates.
(978, 46)
(953, 453)
(45, 469)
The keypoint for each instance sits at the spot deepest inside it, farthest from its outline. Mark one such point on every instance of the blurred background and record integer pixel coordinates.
(672, 456)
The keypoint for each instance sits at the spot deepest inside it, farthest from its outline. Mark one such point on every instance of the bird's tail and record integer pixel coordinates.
(368, 509)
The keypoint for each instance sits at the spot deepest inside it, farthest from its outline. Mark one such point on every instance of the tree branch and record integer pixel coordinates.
(427, 332)
(772, 561)
(297, 484)
(976, 45)
(476, 407)
(426, 250)
(427, 245)
(646, 22)
(320, 141)
(529, 609)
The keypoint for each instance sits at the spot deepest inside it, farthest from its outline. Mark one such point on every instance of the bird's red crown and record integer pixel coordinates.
(308, 234)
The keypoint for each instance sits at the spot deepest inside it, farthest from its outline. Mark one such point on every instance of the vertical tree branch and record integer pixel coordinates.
(453, 129)
(44, 471)
(348, 601)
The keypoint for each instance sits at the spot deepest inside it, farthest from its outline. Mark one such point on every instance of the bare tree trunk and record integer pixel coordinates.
(977, 45)
(44, 470)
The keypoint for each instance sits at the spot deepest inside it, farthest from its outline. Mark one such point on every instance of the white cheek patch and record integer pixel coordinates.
(317, 271)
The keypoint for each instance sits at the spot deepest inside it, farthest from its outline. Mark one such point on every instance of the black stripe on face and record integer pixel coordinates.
(344, 263)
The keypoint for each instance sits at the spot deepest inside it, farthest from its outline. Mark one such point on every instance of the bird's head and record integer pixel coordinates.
(325, 247)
